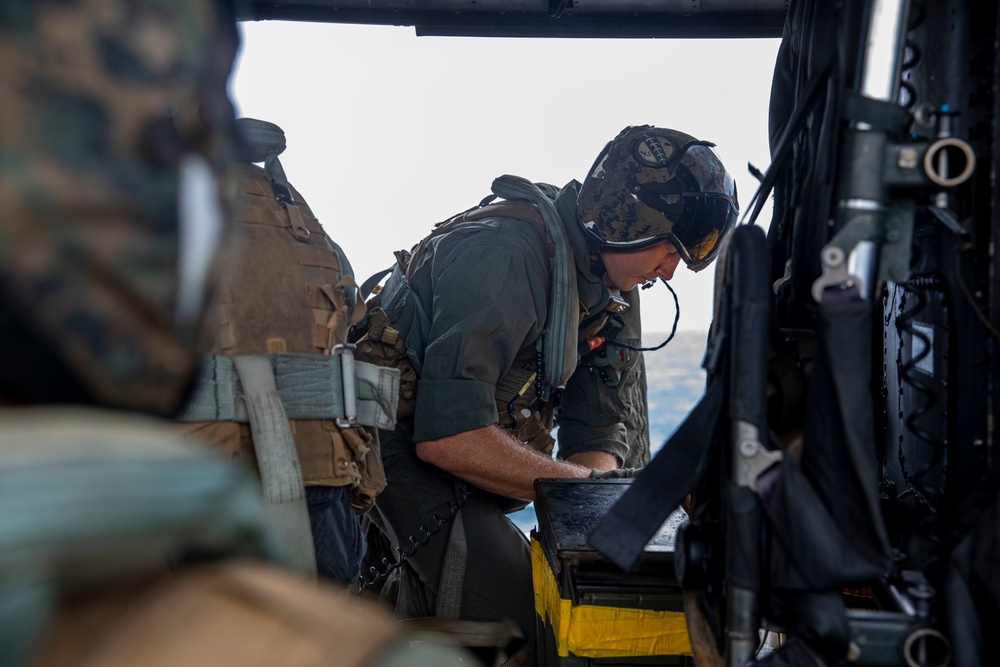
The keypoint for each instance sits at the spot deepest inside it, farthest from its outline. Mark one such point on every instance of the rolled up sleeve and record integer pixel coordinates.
(592, 416)
(488, 299)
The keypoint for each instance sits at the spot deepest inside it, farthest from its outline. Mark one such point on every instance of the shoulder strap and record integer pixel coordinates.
(525, 201)
(517, 209)
(558, 342)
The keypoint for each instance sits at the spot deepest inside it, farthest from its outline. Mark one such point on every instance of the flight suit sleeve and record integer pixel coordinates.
(607, 411)
(488, 299)
(592, 416)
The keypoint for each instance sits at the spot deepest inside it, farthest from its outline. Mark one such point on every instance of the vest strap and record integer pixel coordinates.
(310, 386)
(278, 461)
(449, 600)
(558, 343)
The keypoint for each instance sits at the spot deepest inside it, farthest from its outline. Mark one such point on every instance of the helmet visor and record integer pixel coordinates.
(706, 216)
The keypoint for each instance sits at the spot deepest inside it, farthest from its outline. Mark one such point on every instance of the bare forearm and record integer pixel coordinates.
(595, 460)
(492, 460)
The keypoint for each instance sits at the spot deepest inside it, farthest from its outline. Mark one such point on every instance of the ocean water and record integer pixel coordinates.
(525, 519)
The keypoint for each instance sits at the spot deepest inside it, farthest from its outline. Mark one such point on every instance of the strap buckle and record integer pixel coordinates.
(346, 353)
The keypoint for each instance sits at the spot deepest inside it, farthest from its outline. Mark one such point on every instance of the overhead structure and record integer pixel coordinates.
(541, 18)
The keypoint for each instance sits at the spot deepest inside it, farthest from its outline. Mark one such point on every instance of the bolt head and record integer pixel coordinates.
(748, 448)
(832, 256)
(908, 158)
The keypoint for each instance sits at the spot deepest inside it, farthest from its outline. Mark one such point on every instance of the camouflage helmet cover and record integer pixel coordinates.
(651, 185)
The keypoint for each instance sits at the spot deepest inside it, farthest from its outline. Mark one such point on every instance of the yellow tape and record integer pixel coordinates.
(590, 631)
(527, 384)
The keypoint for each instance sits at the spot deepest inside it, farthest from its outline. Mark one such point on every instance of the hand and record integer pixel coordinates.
(617, 473)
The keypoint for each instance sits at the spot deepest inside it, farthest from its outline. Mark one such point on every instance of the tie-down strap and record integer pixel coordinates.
(311, 386)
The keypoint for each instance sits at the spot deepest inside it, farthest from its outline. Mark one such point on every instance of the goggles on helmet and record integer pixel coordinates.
(708, 217)
(651, 185)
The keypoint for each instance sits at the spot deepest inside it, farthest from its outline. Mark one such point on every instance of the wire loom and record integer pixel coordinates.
(919, 287)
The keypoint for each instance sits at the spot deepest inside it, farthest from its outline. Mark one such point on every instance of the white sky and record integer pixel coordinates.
(389, 133)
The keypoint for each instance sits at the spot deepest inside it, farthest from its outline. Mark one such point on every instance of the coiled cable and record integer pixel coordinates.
(909, 372)
(425, 534)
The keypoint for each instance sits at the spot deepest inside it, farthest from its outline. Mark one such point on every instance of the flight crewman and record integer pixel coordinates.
(505, 314)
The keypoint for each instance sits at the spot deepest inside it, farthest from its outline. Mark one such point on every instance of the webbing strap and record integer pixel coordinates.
(559, 341)
(278, 461)
(623, 532)
(449, 600)
(310, 386)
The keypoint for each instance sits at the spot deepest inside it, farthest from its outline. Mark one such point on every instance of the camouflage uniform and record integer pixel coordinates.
(106, 108)
(105, 105)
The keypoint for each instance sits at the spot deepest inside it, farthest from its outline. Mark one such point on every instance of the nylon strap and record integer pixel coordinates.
(310, 386)
(350, 290)
(516, 209)
(279, 182)
(559, 341)
(278, 461)
(524, 656)
(449, 600)
(622, 534)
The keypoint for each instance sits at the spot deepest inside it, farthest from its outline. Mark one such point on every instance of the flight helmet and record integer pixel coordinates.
(651, 185)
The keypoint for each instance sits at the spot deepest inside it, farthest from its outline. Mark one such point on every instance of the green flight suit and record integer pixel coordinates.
(476, 306)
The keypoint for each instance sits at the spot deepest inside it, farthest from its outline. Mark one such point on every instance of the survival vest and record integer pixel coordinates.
(538, 371)
(280, 367)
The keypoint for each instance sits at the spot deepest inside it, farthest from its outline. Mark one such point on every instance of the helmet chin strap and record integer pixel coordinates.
(673, 329)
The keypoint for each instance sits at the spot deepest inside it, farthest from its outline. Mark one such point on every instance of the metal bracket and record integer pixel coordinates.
(752, 458)
(894, 256)
(835, 274)
(349, 384)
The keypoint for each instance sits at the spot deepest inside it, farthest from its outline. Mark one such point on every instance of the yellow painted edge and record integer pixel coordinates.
(591, 631)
